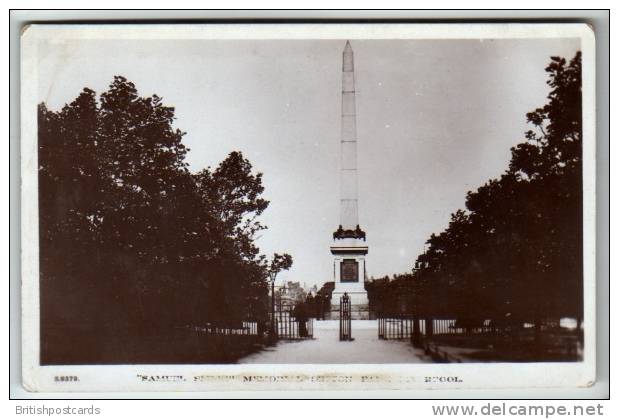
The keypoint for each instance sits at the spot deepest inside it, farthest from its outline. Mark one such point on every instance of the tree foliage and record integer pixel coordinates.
(515, 253)
(280, 263)
(131, 242)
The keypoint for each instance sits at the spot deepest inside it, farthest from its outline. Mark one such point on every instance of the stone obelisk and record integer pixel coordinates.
(349, 240)
(349, 217)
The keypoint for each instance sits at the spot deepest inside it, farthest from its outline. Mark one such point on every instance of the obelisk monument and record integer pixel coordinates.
(349, 245)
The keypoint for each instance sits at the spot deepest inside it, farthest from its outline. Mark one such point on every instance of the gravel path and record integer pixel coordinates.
(326, 348)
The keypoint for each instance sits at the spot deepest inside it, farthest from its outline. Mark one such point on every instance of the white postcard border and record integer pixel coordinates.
(108, 378)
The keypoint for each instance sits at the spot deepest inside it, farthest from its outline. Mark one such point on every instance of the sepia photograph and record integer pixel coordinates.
(308, 206)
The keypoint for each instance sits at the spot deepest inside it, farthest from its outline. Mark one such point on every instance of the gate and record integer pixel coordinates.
(403, 327)
(289, 327)
(345, 318)
(395, 328)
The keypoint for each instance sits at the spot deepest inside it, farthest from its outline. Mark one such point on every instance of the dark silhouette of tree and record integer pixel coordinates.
(70, 192)
(280, 262)
(132, 243)
(515, 253)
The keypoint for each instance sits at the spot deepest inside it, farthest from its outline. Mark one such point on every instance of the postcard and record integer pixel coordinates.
(257, 207)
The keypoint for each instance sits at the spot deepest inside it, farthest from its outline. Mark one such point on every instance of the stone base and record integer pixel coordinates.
(359, 304)
(357, 312)
(358, 296)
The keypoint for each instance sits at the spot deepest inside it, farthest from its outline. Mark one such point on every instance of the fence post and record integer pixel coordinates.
(429, 326)
(345, 317)
(416, 335)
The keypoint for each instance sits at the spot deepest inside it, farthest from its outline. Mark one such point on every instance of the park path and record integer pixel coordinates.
(326, 348)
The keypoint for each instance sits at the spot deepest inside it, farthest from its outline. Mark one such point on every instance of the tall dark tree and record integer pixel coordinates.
(132, 243)
(516, 252)
(70, 194)
(231, 195)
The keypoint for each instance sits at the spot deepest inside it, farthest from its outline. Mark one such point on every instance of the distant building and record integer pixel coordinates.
(291, 294)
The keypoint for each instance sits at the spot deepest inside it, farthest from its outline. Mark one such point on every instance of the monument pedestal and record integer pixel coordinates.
(349, 277)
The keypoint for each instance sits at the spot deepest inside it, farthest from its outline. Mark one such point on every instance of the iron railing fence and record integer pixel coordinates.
(247, 328)
(289, 327)
(395, 328)
(400, 327)
(286, 326)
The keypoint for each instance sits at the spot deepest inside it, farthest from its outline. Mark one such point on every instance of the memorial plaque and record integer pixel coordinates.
(349, 270)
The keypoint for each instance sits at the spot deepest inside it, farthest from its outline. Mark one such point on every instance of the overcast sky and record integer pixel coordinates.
(435, 119)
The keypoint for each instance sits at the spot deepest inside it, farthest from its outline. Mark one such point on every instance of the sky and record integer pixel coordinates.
(435, 119)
